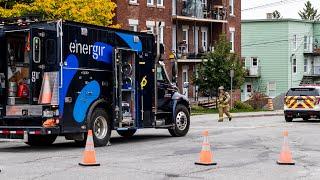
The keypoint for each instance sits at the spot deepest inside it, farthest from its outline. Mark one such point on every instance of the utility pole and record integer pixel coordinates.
(231, 77)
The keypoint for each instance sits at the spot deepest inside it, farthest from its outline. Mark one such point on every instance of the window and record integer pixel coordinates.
(161, 75)
(160, 2)
(133, 1)
(231, 5)
(204, 3)
(133, 24)
(295, 42)
(232, 41)
(150, 29)
(272, 88)
(133, 27)
(254, 61)
(150, 2)
(185, 38)
(305, 65)
(204, 39)
(294, 65)
(306, 43)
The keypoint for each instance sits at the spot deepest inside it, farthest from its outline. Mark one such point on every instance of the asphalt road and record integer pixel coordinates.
(246, 148)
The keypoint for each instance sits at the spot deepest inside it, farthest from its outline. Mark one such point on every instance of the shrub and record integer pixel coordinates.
(243, 106)
(258, 100)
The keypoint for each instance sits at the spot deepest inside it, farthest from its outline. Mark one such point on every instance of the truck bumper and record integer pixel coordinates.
(20, 134)
(302, 114)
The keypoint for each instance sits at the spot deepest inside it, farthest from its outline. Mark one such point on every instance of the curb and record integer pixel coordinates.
(245, 116)
(259, 115)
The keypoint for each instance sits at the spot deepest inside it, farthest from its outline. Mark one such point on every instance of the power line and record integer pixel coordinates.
(282, 2)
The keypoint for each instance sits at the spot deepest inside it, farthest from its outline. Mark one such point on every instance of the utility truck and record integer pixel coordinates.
(62, 78)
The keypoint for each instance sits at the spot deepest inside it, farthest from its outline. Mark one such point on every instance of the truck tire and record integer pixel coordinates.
(181, 122)
(41, 140)
(127, 133)
(101, 127)
(306, 119)
(288, 119)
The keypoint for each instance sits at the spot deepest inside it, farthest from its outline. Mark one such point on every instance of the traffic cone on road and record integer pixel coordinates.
(89, 155)
(285, 155)
(206, 155)
(46, 94)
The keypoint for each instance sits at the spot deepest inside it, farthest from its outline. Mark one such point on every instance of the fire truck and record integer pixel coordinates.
(62, 78)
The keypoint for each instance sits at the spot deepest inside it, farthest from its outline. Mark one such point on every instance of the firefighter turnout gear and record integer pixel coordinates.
(223, 105)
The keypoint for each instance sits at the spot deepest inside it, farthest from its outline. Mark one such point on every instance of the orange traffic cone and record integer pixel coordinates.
(46, 94)
(206, 155)
(285, 155)
(89, 155)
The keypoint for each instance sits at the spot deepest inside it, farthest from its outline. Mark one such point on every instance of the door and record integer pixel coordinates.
(248, 90)
(254, 67)
(185, 81)
(165, 92)
(44, 60)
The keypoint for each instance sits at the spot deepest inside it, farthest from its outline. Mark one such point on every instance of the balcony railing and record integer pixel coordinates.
(196, 10)
(253, 71)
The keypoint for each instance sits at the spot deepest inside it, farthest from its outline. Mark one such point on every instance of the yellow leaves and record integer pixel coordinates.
(98, 12)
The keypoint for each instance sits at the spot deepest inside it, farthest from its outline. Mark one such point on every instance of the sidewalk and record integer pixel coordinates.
(252, 114)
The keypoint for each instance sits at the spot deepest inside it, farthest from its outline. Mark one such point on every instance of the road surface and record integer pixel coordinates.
(246, 148)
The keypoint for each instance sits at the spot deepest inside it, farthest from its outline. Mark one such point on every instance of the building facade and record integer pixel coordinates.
(196, 26)
(189, 28)
(279, 54)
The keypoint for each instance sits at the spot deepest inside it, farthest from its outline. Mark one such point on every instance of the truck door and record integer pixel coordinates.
(44, 60)
(165, 92)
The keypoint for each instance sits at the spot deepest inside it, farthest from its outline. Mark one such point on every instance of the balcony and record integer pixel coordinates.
(253, 72)
(314, 50)
(195, 10)
(185, 55)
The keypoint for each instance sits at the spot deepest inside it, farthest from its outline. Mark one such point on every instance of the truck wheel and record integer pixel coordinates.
(127, 133)
(181, 122)
(101, 127)
(41, 140)
(288, 119)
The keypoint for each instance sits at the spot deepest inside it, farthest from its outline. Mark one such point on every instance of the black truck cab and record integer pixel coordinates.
(64, 78)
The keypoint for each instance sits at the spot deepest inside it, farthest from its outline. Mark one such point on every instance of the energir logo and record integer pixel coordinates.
(96, 50)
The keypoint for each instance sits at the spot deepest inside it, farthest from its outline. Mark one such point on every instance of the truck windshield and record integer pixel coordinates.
(303, 92)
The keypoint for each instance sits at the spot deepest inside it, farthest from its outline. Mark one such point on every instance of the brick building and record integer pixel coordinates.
(189, 28)
(143, 15)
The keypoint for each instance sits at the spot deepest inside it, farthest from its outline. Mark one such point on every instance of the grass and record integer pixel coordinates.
(198, 110)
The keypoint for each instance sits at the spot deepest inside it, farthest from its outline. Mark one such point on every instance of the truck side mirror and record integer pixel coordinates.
(174, 72)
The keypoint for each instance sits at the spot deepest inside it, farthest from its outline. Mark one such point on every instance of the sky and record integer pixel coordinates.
(288, 8)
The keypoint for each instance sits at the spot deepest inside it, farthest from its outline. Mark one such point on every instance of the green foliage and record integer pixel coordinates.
(276, 14)
(243, 106)
(309, 12)
(98, 12)
(214, 71)
(8, 4)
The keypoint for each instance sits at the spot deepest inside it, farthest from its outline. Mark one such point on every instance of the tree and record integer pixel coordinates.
(215, 70)
(8, 4)
(276, 14)
(309, 12)
(98, 12)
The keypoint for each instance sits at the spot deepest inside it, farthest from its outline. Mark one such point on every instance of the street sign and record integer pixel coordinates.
(231, 73)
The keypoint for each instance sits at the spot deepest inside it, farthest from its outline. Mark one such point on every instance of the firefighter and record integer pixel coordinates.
(223, 104)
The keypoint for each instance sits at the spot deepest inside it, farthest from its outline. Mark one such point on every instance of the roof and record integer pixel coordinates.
(278, 20)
